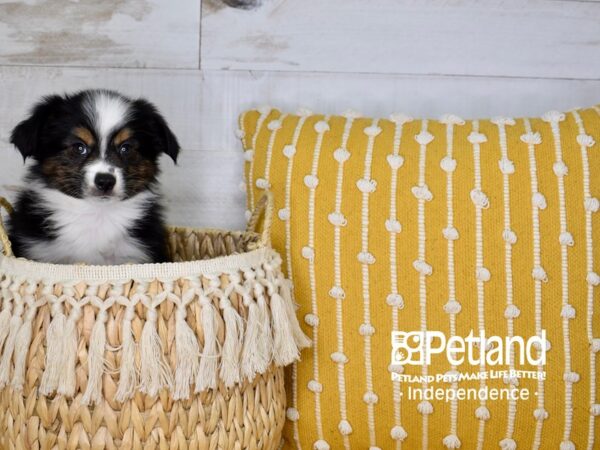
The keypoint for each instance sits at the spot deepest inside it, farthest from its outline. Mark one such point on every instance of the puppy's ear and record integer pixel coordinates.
(165, 138)
(26, 135)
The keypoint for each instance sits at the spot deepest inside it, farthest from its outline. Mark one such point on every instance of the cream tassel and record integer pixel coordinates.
(9, 345)
(265, 339)
(155, 372)
(207, 373)
(188, 351)
(54, 351)
(128, 379)
(285, 350)
(6, 313)
(234, 333)
(302, 341)
(67, 380)
(22, 345)
(250, 347)
(96, 361)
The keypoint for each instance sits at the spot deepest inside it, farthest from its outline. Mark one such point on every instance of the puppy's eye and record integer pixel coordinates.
(81, 148)
(124, 149)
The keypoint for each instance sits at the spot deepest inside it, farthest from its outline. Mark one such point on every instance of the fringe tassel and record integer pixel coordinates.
(265, 339)
(188, 355)
(234, 335)
(250, 347)
(155, 372)
(128, 379)
(9, 345)
(207, 373)
(301, 340)
(96, 361)
(22, 347)
(54, 351)
(285, 350)
(5, 316)
(67, 380)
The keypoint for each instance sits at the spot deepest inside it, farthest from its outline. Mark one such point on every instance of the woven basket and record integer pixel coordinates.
(178, 355)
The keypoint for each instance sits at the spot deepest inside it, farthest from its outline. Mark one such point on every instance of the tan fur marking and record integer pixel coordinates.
(122, 136)
(85, 135)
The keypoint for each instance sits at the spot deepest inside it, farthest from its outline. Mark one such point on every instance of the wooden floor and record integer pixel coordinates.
(204, 62)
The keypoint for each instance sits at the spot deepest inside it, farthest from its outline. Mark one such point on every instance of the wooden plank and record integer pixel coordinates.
(113, 33)
(547, 39)
(202, 109)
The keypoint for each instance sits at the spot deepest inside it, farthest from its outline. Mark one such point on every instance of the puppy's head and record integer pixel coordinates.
(95, 144)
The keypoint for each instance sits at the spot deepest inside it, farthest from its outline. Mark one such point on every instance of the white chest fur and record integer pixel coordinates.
(91, 231)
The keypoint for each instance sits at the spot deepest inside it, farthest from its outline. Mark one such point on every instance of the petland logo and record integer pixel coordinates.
(417, 347)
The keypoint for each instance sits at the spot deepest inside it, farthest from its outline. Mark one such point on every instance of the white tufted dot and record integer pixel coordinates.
(321, 126)
(315, 386)
(345, 428)
(553, 116)
(337, 219)
(341, 155)
(567, 445)
(509, 236)
(321, 445)
(425, 407)
(261, 183)
(240, 134)
(483, 274)
(395, 300)
(395, 161)
(506, 166)
(476, 138)
(248, 214)
(292, 414)
(422, 267)
(508, 444)
(567, 312)
(398, 433)
(479, 198)
(248, 155)
(512, 312)
(312, 320)
(370, 398)
(451, 441)
(304, 112)
(450, 233)
(242, 186)
(308, 253)
(540, 414)
(274, 125)
(585, 140)
(560, 169)
(595, 345)
(422, 192)
(289, 151)
(538, 273)
(482, 413)
(366, 258)
(452, 307)
(592, 204)
(393, 226)
(366, 329)
(452, 119)
(339, 357)
(566, 238)
(593, 278)
(366, 186)
(264, 109)
(547, 345)
(337, 292)
(538, 200)
(424, 137)
(311, 181)
(499, 120)
(595, 409)
(448, 164)
(351, 114)
(531, 138)
(400, 118)
(372, 130)
(571, 377)
(396, 368)
(283, 214)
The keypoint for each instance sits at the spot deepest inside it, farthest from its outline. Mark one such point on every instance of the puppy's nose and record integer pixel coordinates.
(105, 182)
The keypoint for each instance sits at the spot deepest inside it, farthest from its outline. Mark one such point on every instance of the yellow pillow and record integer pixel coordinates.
(448, 226)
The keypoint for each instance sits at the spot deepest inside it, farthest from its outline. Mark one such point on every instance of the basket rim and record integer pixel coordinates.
(34, 270)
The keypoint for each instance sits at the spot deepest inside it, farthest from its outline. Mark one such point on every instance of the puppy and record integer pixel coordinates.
(90, 195)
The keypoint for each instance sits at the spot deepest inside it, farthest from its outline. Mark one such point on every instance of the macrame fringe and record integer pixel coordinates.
(155, 373)
(207, 373)
(285, 350)
(250, 347)
(301, 340)
(22, 349)
(96, 361)
(188, 353)
(54, 351)
(234, 335)
(5, 316)
(264, 343)
(128, 378)
(9, 346)
(67, 381)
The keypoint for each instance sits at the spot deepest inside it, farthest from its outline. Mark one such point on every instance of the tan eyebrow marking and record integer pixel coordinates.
(122, 136)
(85, 135)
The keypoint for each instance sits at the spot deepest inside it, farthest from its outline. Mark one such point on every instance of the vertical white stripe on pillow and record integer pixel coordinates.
(264, 112)
(531, 139)
(274, 126)
(554, 119)
(589, 252)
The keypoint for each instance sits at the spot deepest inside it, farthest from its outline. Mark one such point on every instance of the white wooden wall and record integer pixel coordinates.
(204, 62)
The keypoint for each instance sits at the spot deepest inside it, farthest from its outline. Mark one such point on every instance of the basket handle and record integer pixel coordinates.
(264, 207)
(3, 234)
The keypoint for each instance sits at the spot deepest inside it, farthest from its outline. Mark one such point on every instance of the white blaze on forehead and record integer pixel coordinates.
(107, 111)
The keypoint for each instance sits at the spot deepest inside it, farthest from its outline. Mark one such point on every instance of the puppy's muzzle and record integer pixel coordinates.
(105, 182)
